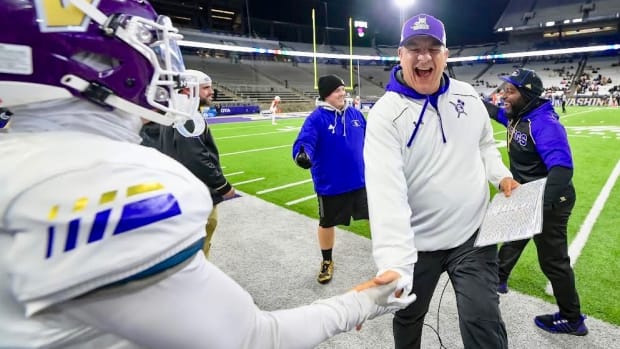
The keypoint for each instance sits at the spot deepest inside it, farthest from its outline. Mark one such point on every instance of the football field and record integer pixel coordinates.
(257, 160)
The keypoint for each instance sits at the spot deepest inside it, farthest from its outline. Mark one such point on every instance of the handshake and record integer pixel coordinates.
(302, 159)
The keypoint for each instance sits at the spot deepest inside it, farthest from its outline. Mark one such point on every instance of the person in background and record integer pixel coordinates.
(538, 147)
(357, 103)
(274, 109)
(330, 144)
(100, 238)
(348, 100)
(430, 155)
(198, 154)
(563, 101)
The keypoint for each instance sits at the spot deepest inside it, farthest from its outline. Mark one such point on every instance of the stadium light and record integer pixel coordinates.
(402, 5)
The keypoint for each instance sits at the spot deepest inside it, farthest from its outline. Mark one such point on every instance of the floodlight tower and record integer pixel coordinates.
(402, 6)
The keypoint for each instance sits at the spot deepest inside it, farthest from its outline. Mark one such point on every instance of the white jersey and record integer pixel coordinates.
(431, 195)
(80, 213)
(63, 236)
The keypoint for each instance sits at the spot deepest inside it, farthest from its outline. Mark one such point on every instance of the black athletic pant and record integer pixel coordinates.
(473, 273)
(552, 248)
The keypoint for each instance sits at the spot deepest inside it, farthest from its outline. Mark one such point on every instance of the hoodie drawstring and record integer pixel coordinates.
(342, 119)
(419, 122)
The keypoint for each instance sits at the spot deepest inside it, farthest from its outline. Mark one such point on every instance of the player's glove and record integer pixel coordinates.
(302, 159)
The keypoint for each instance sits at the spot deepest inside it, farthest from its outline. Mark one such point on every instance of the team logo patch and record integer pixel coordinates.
(356, 123)
(61, 15)
(459, 107)
(518, 137)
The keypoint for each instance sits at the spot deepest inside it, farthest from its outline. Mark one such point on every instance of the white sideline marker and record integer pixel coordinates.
(306, 198)
(248, 181)
(283, 186)
(574, 250)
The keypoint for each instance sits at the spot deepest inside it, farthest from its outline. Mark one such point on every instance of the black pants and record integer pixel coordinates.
(472, 272)
(552, 248)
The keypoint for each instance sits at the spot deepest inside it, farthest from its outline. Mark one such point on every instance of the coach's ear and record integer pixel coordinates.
(302, 159)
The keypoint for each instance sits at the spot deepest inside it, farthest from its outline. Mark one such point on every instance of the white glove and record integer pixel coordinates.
(382, 301)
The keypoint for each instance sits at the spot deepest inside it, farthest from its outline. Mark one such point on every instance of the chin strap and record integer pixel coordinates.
(199, 125)
(103, 96)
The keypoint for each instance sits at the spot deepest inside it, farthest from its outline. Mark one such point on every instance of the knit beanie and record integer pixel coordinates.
(327, 85)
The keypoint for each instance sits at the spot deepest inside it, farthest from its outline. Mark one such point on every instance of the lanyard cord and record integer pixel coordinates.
(510, 134)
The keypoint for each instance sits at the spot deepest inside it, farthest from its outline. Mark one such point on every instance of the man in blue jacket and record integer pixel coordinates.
(331, 144)
(538, 147)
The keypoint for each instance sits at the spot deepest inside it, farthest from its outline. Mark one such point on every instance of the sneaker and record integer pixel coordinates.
(502, 288)
(326, 273)
(555, 323)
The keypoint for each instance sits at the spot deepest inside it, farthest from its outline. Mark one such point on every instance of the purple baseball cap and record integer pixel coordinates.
(423, 24)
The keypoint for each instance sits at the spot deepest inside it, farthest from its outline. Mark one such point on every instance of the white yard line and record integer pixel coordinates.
(579, 112)
(575, 248)
(234, 173)
(283, 186)
(248, 181)
(258, 149)
(237, 127)
(282, 130)
(309, 197)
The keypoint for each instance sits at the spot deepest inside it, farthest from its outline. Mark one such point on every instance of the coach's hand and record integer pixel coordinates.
(507, 185)
(302, 159)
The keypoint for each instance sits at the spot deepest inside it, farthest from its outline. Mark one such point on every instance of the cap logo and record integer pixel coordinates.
(528, 86)
(420, 24)
(515, 73)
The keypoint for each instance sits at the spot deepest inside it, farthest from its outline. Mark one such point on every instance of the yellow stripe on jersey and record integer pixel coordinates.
(107, 197)
(53, 213)
(143, 188)
(80, 204)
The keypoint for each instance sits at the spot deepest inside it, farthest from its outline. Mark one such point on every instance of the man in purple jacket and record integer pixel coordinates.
(538, 147)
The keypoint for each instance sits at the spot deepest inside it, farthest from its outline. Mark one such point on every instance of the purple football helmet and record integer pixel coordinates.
(116, 53)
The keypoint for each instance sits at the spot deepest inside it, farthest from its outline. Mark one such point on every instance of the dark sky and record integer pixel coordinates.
(466, 21)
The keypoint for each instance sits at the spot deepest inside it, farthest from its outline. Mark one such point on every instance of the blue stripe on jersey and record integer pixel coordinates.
(50, 241)
(140, 213)
(72, 234)
(98, 228)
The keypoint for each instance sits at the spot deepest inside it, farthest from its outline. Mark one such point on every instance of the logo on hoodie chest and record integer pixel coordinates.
(518, 137)
(459, 107)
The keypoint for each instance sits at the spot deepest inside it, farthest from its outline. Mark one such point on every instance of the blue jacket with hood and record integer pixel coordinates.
(334, 141)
